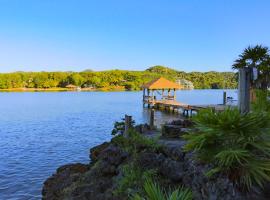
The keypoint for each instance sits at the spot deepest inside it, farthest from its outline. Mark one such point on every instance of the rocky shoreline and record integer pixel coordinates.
(108, 175)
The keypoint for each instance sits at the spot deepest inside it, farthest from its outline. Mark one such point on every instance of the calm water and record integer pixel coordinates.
(41, 131)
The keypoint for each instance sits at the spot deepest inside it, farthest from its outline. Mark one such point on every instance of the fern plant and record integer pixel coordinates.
(237, 145)
(154, 192)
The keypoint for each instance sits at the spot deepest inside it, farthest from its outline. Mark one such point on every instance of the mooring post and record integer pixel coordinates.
(224, 97)
(244, 90)
(143, 97)
(152, 118)
(128, 121)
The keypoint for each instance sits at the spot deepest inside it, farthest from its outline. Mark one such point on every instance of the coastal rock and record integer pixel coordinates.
(172, 169)
(95, 151)
(150, 160)
(173, 131)
(142, 128)
(173, 148)
(182, 122)
(175, 168)
(113, 155)
(64, 178)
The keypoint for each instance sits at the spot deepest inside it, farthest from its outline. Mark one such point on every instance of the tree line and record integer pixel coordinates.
(129, 80)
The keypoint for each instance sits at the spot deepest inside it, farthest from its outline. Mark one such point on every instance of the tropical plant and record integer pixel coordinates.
(136, 142)
(236, 145)
(132, 180)
(257, 57)
(154, 192)
(262, 103)
(119, 127)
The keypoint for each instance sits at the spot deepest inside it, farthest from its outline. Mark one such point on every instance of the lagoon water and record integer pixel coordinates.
(40, 131)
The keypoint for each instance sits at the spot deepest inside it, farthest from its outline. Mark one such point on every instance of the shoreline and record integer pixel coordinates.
(58, 89)
(105, 89)
(119, 168)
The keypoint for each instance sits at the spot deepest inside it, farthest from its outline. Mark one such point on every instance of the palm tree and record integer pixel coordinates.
(258, 57)
(154, 192)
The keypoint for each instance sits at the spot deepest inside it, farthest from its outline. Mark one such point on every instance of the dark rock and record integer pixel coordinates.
(182, 122)
(142, 128)
(266, 190)
(172, 169)
(173, 149)
(64, 178)
(107, 169)
(175, 168)
(95, 151)
(150, 160)
(113, 155)
(173, 131)
(177, 122)
(73, 168)
(187, 123)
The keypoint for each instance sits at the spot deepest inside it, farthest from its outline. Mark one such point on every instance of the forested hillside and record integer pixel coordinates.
(130, 80)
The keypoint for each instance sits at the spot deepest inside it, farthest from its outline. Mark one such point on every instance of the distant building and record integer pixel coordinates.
(73, 87)
(187, 85)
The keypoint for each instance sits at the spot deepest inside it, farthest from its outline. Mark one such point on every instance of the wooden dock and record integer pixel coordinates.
(162, 88)
(176, 106)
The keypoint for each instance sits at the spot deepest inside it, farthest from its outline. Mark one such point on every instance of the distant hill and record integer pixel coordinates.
(161, 69)
(130, 80)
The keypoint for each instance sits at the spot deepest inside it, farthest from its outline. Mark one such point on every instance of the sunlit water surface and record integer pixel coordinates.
(40, 131)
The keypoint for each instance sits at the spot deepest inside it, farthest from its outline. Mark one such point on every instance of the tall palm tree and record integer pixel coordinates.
(258, 57)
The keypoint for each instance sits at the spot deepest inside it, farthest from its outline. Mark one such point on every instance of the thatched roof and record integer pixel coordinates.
(71, 86)
(161, 83)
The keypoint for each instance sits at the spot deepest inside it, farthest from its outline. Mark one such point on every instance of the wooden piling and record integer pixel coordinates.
(152, 119)
(224, 97)
(244, 90)
(128, 123)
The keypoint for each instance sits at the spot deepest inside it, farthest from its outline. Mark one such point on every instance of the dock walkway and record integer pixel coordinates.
(187, 109)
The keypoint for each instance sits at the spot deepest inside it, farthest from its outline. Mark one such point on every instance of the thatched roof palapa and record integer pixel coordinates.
(161, 83)
(71, 86)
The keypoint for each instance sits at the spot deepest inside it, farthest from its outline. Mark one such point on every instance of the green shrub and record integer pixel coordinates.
(132, 179)
(237, 145)
(154, 192)
(262, 103)
(119, 127)
(135, 142)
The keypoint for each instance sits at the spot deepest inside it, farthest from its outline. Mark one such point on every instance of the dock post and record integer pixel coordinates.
(152, 118)
(143, 97)
(128, 121)
(244, 90)
(224, 97)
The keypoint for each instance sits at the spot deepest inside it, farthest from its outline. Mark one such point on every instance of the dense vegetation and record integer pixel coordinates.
(129, 80)
(155, 192)
(236, 145)
(257, 57)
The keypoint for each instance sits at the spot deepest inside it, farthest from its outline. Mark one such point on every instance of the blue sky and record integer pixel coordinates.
(188, 35)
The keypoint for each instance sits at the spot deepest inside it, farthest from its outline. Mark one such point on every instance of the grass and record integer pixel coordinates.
(136, 142)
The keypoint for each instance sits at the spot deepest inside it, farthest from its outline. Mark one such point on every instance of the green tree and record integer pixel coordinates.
(258, 57)
(75, 79)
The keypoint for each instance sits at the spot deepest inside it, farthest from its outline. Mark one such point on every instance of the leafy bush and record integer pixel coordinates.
(132, 179)
(262, 103)
(238, 145)
(154, 192)
(119, 127)
(136, 142)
